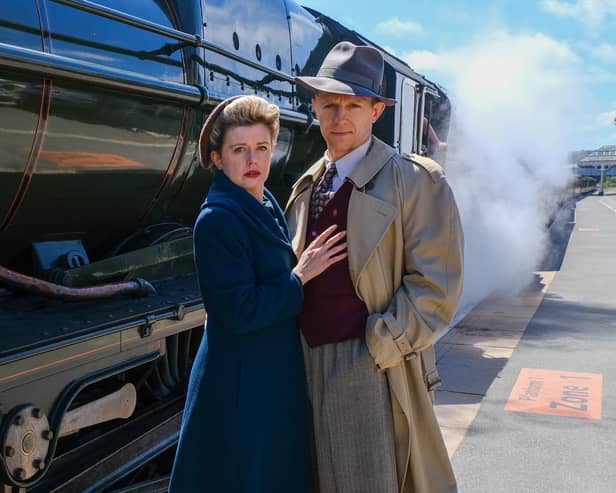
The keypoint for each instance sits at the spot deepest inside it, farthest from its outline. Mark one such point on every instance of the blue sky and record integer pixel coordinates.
(546, 64)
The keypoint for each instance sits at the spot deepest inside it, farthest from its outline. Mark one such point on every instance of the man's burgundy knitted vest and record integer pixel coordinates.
(332, 312)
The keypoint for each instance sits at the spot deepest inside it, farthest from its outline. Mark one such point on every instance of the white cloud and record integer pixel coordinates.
(597, 75)
(457, 15)
(605, 52)
(591, 12)
(603, 124)
(606, 118)
(560, 8)
(350, 22)
(397, 27)
(499, 56)
(423, 60)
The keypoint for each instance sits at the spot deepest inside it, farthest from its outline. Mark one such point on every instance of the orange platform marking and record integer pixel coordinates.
(559, 393)
(589, 230)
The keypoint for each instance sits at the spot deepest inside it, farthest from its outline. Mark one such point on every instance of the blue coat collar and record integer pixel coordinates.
(225, 193)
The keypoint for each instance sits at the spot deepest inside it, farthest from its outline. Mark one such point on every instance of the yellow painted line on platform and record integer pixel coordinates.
(557, 393)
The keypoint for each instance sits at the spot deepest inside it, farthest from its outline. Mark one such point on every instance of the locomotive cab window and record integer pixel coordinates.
(434, 126)
(406, 116)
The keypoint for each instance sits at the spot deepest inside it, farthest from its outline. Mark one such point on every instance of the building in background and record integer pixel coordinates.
(599, 164)
(600, 159)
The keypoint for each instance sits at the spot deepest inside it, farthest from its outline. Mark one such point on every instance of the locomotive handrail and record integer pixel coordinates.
(193, 39)
(47, 64)
(117, 15)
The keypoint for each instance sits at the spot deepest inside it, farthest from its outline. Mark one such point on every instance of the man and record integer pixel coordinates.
(369, 322)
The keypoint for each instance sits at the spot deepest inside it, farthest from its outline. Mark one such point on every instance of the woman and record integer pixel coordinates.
(244, 426)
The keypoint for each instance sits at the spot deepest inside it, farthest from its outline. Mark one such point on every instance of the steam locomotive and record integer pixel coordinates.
(100, 109)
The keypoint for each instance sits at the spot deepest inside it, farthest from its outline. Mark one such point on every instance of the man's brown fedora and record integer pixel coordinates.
(350, 69)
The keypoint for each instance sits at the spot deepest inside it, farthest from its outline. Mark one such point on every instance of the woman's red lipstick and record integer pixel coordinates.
(252, 174)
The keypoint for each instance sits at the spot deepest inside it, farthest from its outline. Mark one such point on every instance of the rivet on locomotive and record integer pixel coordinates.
(100, 315)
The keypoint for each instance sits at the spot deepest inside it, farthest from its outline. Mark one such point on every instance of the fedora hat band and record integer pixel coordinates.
(350, 77)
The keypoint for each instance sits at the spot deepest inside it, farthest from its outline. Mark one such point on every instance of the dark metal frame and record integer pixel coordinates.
(142, 322)
(118, 452)
(47, 64)
(193, 39)
(63, 403)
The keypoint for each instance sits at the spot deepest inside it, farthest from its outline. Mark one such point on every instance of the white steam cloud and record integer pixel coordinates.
(397, 27)
(518, 101)
(591, 12)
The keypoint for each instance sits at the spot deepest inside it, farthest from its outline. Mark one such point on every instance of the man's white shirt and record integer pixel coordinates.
(346, 164)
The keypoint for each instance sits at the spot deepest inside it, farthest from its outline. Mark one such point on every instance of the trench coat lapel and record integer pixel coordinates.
(378, 155)
(368, 217)
(367, 221)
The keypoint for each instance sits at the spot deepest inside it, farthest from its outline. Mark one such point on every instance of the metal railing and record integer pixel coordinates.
(193, 39)
(74, 70)
(50, 65)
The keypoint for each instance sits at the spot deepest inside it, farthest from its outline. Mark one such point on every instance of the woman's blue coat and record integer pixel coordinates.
(244, 425)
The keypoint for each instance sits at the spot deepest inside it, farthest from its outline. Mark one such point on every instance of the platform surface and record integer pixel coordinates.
(529, 396)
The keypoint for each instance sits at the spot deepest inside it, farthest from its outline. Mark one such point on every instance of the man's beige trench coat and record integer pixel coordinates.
(405, 247)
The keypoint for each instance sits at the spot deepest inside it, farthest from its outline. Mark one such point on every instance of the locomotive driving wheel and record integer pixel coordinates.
(25, 442)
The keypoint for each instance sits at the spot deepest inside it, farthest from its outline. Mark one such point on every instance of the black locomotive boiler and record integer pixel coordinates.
(100, 109)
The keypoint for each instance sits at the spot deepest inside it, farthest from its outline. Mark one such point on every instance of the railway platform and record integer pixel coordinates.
(528, 402)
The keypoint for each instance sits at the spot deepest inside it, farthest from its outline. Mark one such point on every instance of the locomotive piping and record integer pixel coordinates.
(32, 285)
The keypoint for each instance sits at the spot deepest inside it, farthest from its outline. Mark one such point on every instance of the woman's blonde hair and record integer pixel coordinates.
(234, 112)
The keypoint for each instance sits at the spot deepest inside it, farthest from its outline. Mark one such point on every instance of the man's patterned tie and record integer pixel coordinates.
(323, 192)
